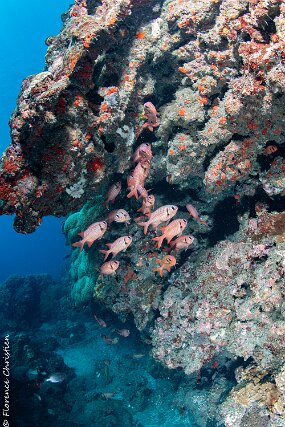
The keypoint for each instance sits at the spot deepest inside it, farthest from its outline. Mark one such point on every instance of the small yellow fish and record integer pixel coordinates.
(165, 264)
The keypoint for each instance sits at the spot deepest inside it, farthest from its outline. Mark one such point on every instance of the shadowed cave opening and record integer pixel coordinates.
(225, 220)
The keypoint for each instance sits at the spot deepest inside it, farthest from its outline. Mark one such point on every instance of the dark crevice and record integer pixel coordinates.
(225, 221)
(268, 155)
(268, 28)
(110, 80)
(92, 6)
(94, 97)
(108, 145)
(145, 136)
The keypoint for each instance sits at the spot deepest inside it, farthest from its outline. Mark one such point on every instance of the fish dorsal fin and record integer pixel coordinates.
(81, 234)
(109, 245)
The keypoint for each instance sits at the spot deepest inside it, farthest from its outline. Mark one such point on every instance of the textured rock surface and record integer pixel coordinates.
(215, 71)
(230, 298)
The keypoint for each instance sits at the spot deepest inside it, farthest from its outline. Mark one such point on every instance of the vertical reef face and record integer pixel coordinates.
(215, 72)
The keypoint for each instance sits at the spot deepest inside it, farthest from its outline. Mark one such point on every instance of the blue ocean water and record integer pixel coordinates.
(24, 28)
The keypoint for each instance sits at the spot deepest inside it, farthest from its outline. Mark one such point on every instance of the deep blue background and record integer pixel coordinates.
(24, 27)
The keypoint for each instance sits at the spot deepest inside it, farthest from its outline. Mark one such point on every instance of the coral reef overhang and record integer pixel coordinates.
(215, 71)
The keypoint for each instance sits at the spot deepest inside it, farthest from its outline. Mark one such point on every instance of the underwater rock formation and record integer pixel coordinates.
(26, 301)
(215, 71)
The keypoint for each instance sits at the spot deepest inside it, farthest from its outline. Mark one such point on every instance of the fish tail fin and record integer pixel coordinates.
(145, 226)
(132, 193)
(169, 240)
(79, 244)
(138, 219)
(202, 222)
(159, 240)
(106, 253)
(159, 269)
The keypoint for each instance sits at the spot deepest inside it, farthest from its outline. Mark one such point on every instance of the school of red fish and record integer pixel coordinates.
(172, 229)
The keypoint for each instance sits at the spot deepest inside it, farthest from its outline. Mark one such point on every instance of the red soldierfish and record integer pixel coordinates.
(151, 115)
(165, 264)
(162, 214)
(113, 192)
(137, 178)
(181, 243)
(143, 192)
(147, 204)
(270, 149)
(118, 215)
(173, 229)
(193, 212)
(143, 152)
(94, 232)
(117, 246)
(109, 268)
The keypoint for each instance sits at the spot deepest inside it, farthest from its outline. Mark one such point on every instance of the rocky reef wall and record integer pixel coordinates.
(213, 69)
(215, 72)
